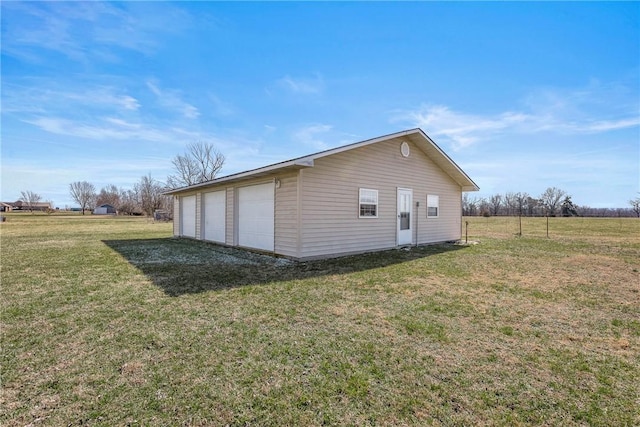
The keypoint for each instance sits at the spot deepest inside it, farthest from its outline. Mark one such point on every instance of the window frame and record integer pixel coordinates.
(367, 202)
(433, 201)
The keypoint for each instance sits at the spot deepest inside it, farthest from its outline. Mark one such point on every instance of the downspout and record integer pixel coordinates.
(461, 212)
(417, 220)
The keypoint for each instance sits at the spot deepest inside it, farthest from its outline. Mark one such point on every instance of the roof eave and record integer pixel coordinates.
(428, 146)
(303, 162)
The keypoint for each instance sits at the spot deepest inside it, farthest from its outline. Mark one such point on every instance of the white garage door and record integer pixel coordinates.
(188, 216)
(255, 216)
(214, 216)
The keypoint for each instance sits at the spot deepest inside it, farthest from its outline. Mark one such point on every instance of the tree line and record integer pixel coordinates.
(145, 198)
(552, 202)
(200, 163)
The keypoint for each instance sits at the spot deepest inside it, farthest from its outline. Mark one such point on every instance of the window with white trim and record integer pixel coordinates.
(433, 206)
(368, 203)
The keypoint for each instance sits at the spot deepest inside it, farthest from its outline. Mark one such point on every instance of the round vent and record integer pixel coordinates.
(404, 149)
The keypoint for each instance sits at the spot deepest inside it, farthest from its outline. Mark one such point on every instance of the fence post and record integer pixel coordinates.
(520, 222)
(466, 232)
(547, 225)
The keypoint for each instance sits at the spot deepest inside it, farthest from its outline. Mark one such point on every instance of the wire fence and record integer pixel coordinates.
(552, 227)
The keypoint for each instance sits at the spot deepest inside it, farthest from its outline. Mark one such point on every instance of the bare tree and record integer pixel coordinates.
(128, 202)
(465, 204)
(521, 200)
(200, 163)
(30, 198)
(635, 206)
(484, 206)
(533, 206)
(510, 202)
(84, 193)
(496, 203)
(469, 205)
(551, 199)
(150, 197)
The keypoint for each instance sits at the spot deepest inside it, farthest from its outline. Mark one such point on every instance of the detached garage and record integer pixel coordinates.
(395, 190)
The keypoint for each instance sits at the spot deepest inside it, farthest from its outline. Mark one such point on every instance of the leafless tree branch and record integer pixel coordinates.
(200, 163)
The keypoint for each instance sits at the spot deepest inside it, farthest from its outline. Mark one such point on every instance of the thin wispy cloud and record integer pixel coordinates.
(220, 107)
(608, 125)
(84, 31)
(565, 113)
(172, 99)
(100, 96)
(105, 129)
(461, 129)
(99, 112)
(312, 135)
(301, 85)
(49, 97)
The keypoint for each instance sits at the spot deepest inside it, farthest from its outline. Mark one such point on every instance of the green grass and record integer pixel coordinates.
(110, 321)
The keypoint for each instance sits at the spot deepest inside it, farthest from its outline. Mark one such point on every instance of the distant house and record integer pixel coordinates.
(24, 206)
(6, 207)
(395, 190)
(105, 209)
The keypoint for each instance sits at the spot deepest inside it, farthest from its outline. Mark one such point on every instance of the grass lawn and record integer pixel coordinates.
(110, 321)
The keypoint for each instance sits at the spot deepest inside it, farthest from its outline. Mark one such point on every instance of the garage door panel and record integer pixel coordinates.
(188, 216)
(215, 216)
(256, 216)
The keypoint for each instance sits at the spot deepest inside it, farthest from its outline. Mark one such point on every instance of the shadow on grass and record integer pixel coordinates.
(184, 266)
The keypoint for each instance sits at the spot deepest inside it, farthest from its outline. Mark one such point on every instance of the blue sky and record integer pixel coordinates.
(523, 96)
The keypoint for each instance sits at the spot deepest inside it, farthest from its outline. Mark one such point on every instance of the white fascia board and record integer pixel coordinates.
(303, 162)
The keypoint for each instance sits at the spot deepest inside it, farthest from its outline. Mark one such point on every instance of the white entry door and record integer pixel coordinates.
(405, 230)
(256, 216)
(214, 214)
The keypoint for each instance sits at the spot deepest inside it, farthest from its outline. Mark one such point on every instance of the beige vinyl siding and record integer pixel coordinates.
(231, 200)
(330, 223)
(199, 216)
(447, 225)
(176, 216)
(286, 215)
